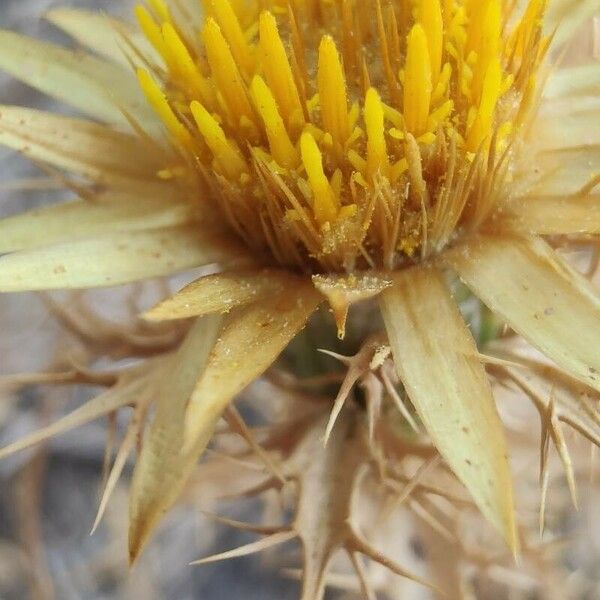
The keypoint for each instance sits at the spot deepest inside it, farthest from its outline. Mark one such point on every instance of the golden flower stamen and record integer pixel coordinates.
(351, 112)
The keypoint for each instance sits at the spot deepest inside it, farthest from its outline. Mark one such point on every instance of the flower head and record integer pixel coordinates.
(313, 151)
(356, 136)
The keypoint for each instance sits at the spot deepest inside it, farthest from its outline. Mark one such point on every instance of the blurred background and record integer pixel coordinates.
(49, 496)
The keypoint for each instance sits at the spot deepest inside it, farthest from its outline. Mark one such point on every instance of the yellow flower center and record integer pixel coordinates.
(345, 134)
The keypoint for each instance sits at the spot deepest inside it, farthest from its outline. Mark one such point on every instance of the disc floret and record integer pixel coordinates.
(346, 135)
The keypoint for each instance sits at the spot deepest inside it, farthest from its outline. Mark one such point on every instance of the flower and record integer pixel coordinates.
(338, 151)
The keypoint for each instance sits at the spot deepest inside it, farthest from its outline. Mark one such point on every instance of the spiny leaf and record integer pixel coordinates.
(329, 480)
(96, 87)
(554, 215)
(94, 151)
(102, 405)
(100, 33)
(113, 259)
(562, 172)
(539, 295)
(570, 81)
(357, 366)
(250, 341)
(157, 470)
(129, 440)
(436, 358)
(220, 293)
(75, 219)
(568, 16)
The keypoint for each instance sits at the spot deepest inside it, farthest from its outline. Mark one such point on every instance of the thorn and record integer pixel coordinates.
(346, 360)
(360, 544)
(268, 484)
(349, 381)
(111, 433)
(374, 395)
(235, 421)
(357, 365)
(487, 359)
(544, 476)
(432, 521)
(248, 549)
(245, 464)
(336, 410)
(565, 457)
(338, 581)
(395, 396)
(395, 484)
(99, 406)
(114, 474)
(366, 588)
(415, 481)
(260, 529)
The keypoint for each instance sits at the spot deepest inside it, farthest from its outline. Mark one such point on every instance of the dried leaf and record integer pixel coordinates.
(329, 487)
(525, 282)
(562, 172)
(554, 215)
(436, 358)
(113, 259)
(328, 481)
(94, 151)
(220, 293)
(568, 124)
(67, 221)
(103, 404)
(127, 445)
(568, 16)
(100, 33)
(156, 479)
(251, 341)
(98, 88)
(569, 81)
(248, 344)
